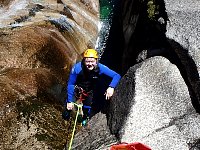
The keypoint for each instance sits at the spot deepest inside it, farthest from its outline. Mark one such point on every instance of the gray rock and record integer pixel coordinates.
(184, 25)
(151, 105)
(155, 107)
(94, 136)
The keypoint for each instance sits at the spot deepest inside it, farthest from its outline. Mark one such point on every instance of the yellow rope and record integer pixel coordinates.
(79, 107)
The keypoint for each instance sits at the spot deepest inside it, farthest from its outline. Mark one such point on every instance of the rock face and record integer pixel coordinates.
(156, 108)
(95, 136)
(80, 27)
(183, 33)
(35, 47)
(40, 40)
(183, 26)
(151, 28)
(159, 104)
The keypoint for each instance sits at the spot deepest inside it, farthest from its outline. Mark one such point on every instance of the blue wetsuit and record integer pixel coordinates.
(86, 79)
(89, 81)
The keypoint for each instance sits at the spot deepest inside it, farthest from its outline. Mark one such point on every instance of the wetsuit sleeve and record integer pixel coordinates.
(71, 85)
(114, 75)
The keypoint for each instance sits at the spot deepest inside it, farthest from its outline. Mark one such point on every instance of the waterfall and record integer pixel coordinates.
(104, 28)
(106, 13)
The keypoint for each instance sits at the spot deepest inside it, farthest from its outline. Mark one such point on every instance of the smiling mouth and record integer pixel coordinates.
(90, 66)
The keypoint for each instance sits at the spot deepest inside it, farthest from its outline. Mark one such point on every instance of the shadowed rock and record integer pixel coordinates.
(5, 2)
(32, 87)
(29, 110)
(170, 31)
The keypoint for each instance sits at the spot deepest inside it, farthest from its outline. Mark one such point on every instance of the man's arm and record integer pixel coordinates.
(115, 79)
(111, 73)
(71, 85)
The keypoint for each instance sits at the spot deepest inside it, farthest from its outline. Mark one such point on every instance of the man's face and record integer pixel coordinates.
(90, 63)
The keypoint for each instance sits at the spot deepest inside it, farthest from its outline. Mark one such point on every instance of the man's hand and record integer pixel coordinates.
(109, 93)
(70, 106)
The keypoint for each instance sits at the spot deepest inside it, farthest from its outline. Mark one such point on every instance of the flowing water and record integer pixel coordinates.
(106, 13)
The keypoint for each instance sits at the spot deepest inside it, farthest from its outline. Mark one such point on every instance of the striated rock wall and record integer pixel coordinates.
(40, 40)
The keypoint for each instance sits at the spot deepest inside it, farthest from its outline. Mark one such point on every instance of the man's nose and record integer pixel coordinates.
(90, 63)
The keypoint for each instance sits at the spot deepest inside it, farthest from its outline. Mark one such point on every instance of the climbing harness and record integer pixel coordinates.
(81, 94)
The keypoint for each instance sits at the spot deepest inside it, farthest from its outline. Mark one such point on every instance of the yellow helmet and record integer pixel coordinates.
(90, 53)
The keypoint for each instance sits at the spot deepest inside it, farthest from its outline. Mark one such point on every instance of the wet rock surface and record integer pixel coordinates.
(40, 40)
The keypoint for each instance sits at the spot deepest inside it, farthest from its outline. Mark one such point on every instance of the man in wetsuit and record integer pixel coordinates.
(83, 81)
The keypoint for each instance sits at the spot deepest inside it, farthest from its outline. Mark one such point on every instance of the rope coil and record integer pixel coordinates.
(79, 106)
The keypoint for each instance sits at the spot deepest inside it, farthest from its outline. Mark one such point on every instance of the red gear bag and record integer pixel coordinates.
(130, 146)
